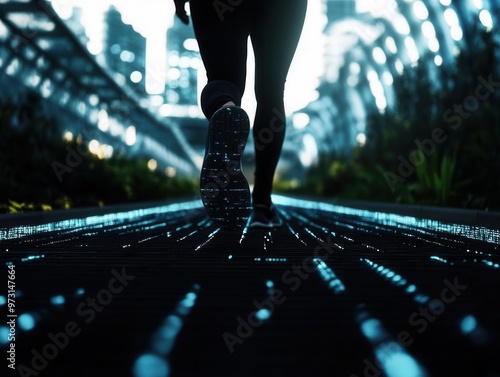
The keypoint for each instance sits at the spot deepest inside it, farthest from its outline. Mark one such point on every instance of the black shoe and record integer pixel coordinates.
(264, 217)
(223, 186)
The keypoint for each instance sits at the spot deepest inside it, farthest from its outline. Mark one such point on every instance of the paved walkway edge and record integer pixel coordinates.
(444, 214)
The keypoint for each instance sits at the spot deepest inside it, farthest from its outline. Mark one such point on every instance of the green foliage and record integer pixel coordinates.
(30, 145)
(435, 178)
(463, 168)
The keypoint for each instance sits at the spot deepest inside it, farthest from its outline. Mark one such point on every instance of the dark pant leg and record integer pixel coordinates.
(275, 34)
(222, 35)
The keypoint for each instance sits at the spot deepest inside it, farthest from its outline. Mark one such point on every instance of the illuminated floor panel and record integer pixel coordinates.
(335, 292)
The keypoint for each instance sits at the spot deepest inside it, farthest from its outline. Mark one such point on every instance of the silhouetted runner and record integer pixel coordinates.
(222, 28)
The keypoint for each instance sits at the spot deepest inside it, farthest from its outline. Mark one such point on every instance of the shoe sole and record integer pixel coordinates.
(224, 189)
(261, 225)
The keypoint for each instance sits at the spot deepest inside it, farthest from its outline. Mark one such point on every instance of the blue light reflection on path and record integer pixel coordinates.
(154, 363)
(392, 358)
(110, 218)
(391, 219)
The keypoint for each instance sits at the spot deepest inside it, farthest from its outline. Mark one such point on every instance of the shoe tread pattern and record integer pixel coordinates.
(224, 189)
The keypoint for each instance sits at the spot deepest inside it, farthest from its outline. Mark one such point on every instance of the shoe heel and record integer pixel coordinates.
(224, 189)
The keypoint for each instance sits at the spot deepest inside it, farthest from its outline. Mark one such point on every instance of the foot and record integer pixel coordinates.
(264, 217)
(224, 188)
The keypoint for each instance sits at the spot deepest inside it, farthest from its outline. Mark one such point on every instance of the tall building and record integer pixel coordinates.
(75, 24)
(183, 63)
(124, 51)
(339, 9)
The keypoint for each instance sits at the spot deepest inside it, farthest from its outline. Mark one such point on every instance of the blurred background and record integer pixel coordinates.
(392, 101)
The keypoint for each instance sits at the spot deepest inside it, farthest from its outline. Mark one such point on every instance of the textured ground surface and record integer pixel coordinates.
(334, 292)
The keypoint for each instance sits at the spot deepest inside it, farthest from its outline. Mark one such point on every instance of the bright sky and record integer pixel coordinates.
(152, 18)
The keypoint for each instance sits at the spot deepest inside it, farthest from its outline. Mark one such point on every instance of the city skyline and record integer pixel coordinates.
(152, 19)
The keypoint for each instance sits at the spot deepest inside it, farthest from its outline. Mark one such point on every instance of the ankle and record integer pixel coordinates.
(261, 200)
(266, 206)
(229, 104)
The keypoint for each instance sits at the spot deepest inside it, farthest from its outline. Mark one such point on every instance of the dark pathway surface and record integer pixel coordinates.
(335, 292)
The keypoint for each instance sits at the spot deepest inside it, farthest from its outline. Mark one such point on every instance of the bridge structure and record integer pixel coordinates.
(40, 54)
(366, 48)
(368, 45)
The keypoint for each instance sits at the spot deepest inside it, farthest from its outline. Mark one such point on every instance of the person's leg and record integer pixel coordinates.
(222, 36)
(275, 34)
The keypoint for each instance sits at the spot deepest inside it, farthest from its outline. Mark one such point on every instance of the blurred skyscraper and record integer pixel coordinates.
(339, 9)
(124, 51)
(74, 22)
(184, 67)
(183, 64)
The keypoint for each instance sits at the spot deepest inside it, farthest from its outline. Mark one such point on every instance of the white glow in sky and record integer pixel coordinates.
(152, 18)
(377, 8)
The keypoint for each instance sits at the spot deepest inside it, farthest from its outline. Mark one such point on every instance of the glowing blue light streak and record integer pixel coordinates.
(479, 252)
(397, 280)
(309, 221)
(372, 329)
(484, 261)
(400, 364)
(26, 322)
(276, 259)
(155, 363)
(395, 220)
(392, 358)
(392, 276)
(439, 259)
(411, 288)
(4, 335)
(263, 314)
(107, 219)
(329, 276)
(188, 235)
(57, 300)
(319, 239)
(258, 259)
(468, 324)
(32, 257)
(210, 238)
(296, 234)
(491, 264)
(150, 365)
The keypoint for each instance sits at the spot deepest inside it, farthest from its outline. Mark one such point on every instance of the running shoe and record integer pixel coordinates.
(223, 186)
(264, 217)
